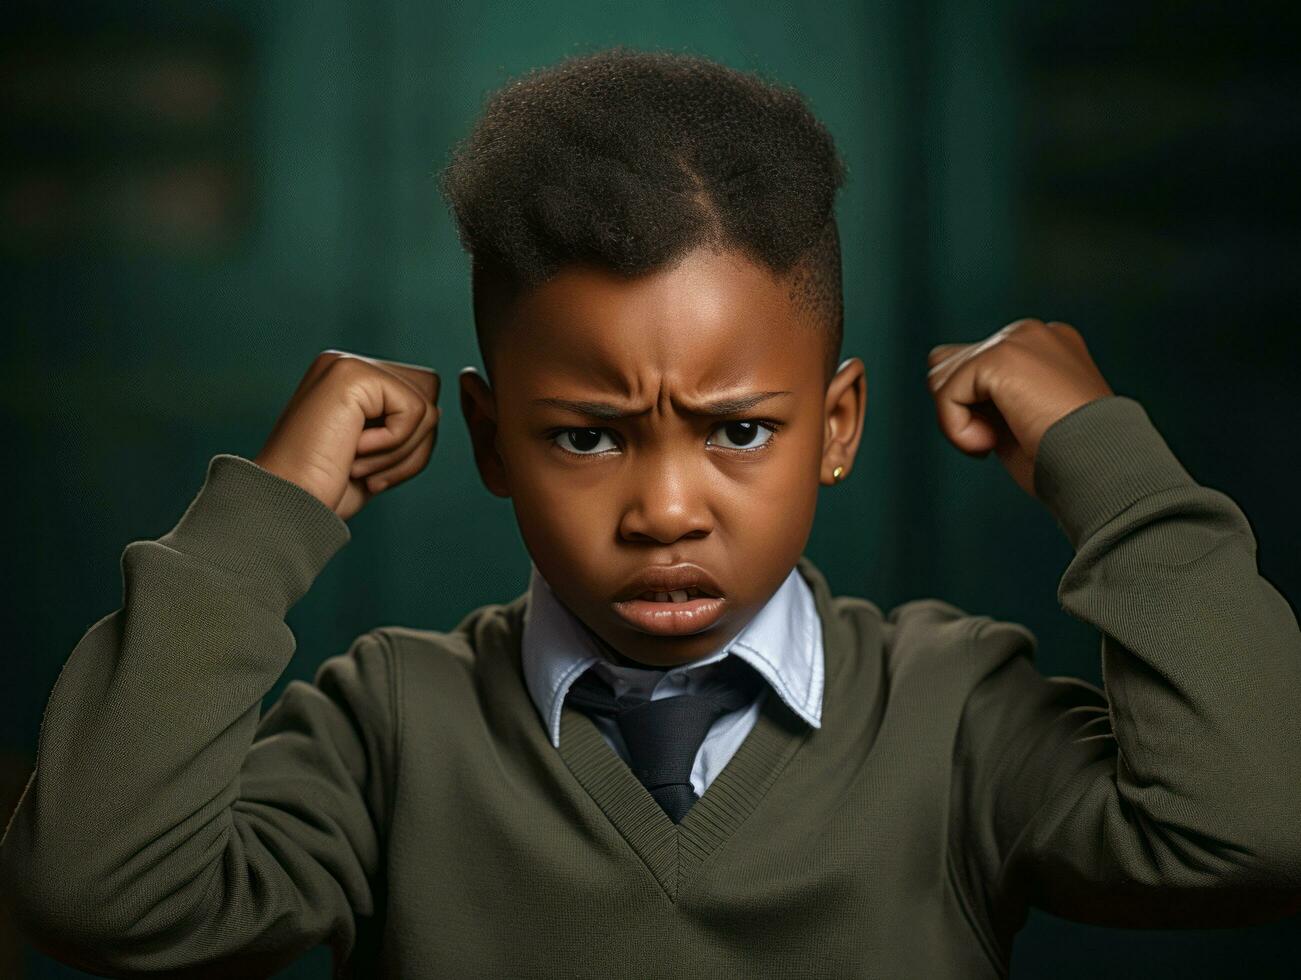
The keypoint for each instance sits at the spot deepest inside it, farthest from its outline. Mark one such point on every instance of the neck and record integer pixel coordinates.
(616, 657)
(623, 661)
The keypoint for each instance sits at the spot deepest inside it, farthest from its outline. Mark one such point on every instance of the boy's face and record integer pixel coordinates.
(600, 500)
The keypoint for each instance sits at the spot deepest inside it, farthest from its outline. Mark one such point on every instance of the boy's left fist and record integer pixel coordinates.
(1004, 392)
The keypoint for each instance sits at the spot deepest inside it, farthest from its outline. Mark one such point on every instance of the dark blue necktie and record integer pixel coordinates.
(664, 735)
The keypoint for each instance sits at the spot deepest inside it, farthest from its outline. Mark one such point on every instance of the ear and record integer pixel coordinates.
(845, 405)
(479, 406)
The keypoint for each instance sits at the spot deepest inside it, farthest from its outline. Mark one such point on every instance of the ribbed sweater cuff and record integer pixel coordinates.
(263, 529)
(1100, 459)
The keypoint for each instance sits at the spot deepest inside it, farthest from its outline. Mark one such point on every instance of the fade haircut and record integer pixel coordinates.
(627, 160)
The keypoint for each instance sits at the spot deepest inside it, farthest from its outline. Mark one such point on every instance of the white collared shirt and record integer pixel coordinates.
(783, 642)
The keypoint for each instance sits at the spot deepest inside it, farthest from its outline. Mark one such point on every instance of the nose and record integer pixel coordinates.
(666, 501)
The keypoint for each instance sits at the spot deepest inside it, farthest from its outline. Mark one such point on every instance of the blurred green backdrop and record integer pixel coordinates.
(198, 198)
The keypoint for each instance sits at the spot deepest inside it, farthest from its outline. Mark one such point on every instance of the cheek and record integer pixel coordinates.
(781, 508)
(788, 496)
(562, 542)
(559, 525)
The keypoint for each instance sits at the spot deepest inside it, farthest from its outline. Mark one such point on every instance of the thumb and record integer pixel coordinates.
(966, 428)
(976, 437)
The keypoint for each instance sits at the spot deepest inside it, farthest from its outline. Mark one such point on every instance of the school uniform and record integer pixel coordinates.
(424, 810)
(782, 643)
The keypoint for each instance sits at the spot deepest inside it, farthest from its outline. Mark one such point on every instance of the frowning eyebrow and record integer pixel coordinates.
(611, 412)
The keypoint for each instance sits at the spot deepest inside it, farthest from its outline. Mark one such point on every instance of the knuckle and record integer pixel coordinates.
(340, 362)
(1028, 323)
(413, 462)
(388, 459)
(415, 423)
(354, 389)
(346, 365)
(419, 457)
(1025, 337)
(404, 470)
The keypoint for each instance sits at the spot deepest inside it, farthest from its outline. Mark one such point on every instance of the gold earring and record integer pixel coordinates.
(835, 474)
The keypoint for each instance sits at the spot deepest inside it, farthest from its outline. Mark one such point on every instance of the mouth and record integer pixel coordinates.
(670, 583)
(677, 613)
(671, 600)
(676, 595)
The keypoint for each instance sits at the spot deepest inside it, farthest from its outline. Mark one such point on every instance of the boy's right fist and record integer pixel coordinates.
(354, 427)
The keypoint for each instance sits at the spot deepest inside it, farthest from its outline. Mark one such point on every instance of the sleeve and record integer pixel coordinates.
(1173, 799)
(167, 829)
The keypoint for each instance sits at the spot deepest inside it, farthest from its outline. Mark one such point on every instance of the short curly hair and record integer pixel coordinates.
(629, 159)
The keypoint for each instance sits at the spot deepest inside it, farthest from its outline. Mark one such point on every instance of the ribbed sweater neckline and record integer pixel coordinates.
(672, 852)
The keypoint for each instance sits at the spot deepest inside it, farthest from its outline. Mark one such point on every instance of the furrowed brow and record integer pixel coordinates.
(611, 412)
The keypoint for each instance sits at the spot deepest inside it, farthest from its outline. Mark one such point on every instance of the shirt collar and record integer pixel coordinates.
(783, 642)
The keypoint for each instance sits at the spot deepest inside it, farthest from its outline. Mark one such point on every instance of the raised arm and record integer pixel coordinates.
(165, 824)
(1174, 799)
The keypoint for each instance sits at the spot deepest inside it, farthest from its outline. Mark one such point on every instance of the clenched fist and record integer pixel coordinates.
(1006, 391)
(354, 427)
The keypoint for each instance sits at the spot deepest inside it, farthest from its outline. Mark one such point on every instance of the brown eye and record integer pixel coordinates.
(746, 434)
(580, 442)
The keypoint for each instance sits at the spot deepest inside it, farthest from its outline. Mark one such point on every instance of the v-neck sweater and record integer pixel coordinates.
(407, 808)
(782, 643)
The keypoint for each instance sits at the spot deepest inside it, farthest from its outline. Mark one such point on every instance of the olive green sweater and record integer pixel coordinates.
(409, 810)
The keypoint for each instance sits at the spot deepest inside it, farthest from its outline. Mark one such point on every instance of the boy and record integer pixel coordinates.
(677, 754)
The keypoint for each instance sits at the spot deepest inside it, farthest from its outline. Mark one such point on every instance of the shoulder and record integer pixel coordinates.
(933, 619)
(937, 636)
(928, 636)
(480, 637)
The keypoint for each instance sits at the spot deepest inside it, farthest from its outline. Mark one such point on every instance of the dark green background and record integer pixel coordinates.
(1125, 167)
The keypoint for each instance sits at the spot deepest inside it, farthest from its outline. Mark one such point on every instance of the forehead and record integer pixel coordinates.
(711, 321)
